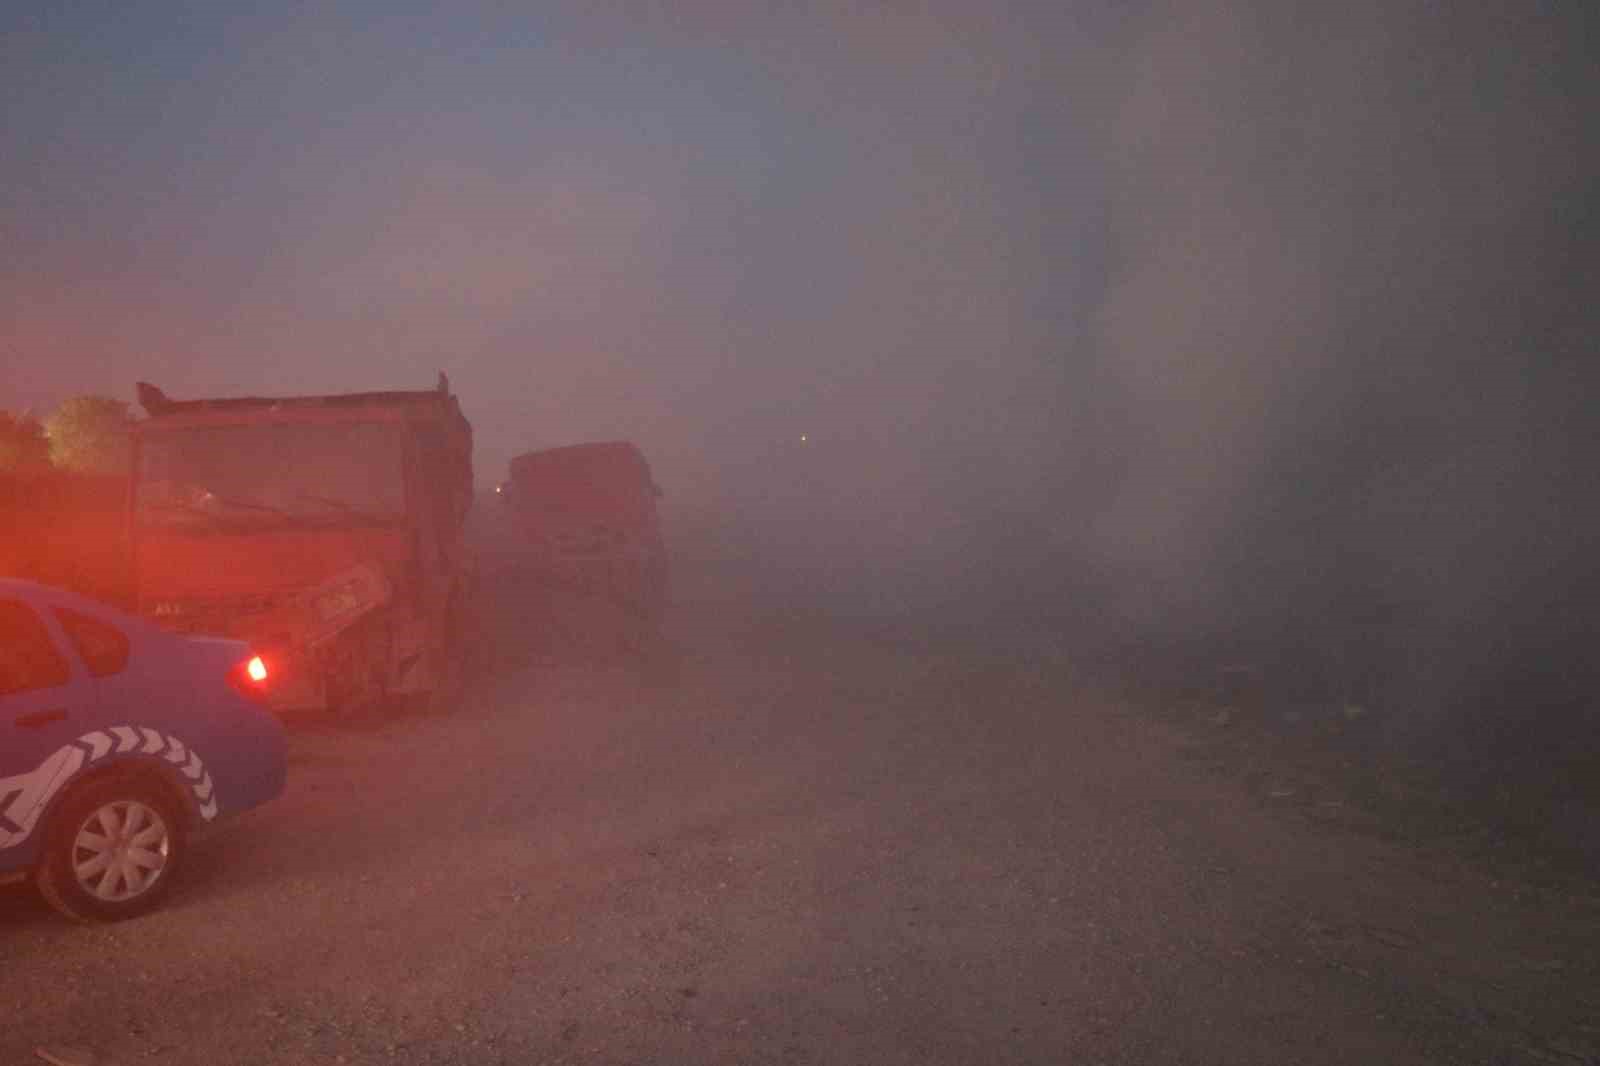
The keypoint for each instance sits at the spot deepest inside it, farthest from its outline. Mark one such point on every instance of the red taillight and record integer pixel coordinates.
(250, 676)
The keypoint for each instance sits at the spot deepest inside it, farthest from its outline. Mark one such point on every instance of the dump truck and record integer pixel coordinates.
(325, 530)
(588, 521)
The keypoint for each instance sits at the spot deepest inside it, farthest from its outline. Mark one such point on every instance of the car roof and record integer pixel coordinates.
(40, 594)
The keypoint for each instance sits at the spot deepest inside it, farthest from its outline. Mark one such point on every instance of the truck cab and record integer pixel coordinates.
(326, 530)
(589, 523)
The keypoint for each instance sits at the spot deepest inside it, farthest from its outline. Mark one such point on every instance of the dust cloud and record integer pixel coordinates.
(1288, 359)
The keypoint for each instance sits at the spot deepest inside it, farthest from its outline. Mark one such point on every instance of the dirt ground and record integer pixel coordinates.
(784, 840)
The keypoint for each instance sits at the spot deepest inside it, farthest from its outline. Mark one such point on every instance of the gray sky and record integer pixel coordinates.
(672, 228)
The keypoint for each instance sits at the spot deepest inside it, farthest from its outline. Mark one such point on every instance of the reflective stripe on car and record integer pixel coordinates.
(23, 797)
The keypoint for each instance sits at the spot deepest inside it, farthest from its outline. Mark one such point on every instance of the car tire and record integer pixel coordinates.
(112, 851)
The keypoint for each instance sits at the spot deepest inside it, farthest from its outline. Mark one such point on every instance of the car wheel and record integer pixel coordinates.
(113, 849)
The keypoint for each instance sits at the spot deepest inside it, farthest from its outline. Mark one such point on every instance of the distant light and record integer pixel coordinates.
(802, 438)
(256, 669)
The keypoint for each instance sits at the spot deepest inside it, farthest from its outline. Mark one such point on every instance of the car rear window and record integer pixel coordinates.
(103, 646)
(28, 657)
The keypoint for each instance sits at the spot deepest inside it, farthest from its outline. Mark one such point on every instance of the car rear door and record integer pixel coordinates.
(46, 700)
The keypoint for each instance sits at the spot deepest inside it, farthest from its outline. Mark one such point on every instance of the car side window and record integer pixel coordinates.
(103, 646)
(28, 657)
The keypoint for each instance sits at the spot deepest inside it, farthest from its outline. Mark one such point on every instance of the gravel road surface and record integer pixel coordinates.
(779, 840)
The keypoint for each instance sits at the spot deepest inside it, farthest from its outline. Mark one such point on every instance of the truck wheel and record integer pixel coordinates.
(112, 851)
(449, 677)
(650, 597)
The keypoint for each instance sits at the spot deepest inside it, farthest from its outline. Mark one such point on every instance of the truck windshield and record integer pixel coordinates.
(311, 472)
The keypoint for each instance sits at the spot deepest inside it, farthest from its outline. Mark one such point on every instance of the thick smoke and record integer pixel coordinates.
(1306, 382)
(1346, 322)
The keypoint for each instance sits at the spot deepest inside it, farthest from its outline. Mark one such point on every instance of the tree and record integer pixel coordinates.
(23, 447)
(90, 434)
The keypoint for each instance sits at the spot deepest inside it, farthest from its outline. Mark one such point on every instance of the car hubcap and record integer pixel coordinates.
(121, 850)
